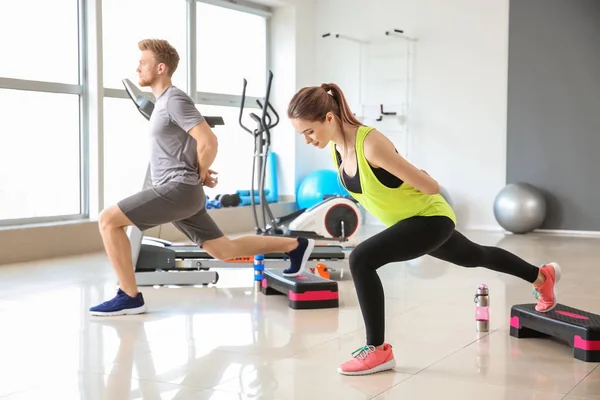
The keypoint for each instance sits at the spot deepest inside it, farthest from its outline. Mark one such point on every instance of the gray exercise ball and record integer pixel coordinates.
(520, 208)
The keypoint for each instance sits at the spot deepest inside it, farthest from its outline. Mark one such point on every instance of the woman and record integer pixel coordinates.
(419, 221)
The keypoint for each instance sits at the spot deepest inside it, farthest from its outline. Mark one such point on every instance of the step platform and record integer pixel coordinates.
(305, 291)
(579, 328)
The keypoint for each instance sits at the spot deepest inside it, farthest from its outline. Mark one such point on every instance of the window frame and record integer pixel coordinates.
(222, 99)
(91, 92)
(210, 98)
(63, 88)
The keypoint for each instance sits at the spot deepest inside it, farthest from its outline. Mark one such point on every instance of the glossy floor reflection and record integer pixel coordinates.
(228, 342)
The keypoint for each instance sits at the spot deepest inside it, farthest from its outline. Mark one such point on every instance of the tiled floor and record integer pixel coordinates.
(226, 342)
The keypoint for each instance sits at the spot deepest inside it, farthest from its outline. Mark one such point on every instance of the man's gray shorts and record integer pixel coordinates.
(179, 203)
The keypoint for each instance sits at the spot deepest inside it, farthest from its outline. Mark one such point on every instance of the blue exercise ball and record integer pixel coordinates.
(318, 184)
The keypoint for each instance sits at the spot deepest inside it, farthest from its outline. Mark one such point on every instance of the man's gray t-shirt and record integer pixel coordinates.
(174, 153)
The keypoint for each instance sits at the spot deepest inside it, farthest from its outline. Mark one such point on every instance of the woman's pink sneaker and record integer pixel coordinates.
(369, 360)
(546, 293)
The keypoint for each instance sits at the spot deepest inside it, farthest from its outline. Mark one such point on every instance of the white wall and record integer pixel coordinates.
(459, 114)
(283, 64)
(292, 50)
(457, 121)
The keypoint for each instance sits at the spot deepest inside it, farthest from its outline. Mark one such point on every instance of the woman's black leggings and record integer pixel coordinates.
(410, 239)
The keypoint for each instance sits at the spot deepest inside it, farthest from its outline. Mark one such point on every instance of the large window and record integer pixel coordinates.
(126, 140)
(231, 46)
(40, 130)
(126, 149)
(125, 23)
(236, 148)
(36, 46)
(60, 134)
(39, 154)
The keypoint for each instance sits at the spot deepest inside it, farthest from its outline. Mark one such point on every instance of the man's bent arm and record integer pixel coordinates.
(207, 146)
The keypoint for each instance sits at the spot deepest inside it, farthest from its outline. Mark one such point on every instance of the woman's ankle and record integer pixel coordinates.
(541, 278)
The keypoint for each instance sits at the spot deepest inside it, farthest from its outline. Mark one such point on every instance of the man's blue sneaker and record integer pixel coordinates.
(299, 256)
(121, 304)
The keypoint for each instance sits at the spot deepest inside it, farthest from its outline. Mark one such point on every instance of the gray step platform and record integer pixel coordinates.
(580, 329)
(304, 292)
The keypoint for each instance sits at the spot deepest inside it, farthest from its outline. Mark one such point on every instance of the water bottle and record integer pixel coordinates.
(482, 308)
(259, 268)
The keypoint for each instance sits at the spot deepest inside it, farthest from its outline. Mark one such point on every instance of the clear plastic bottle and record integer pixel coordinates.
(482, 308)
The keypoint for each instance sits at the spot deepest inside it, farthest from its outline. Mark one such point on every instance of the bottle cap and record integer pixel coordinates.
(482, 289)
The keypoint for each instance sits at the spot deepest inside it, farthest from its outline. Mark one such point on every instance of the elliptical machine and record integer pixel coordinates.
(338, 216)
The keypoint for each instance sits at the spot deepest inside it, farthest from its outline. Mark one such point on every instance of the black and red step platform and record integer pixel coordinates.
(305, 291)
(580, 329)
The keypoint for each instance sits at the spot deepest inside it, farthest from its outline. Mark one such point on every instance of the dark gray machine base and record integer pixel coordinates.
(160, 263)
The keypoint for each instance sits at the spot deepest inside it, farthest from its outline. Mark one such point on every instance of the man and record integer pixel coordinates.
(183, 149)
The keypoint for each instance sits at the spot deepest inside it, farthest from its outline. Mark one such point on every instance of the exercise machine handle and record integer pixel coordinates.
(242, 107)
(268, 115)
(255, 117)
(265, 122)
(268, 105)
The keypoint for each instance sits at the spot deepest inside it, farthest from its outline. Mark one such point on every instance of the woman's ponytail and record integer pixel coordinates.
(314, 102)
(346, 114)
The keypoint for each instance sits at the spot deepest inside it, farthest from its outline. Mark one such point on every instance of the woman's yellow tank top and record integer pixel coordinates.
(390, 205)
